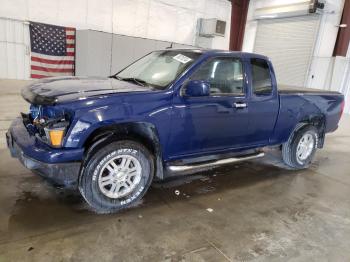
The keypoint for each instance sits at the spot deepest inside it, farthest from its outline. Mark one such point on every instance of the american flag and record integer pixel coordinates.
(52, 50)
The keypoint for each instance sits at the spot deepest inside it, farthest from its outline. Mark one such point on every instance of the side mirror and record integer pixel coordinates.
(197, 88)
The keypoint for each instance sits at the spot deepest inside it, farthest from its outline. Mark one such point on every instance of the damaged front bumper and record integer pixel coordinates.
(60, 166)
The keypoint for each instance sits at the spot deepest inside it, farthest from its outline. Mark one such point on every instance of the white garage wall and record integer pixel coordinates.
(14, 49)
(321, 61)
(346, 90)
(325, 72)
(166, 20)
(341, 78)
(328, 27)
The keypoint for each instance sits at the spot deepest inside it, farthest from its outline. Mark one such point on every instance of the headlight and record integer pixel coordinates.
(49, 123)
(55, 136)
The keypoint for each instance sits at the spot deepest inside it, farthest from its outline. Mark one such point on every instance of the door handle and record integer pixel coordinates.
(239, 105)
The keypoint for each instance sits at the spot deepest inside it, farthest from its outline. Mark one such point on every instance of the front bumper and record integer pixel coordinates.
(60, 166)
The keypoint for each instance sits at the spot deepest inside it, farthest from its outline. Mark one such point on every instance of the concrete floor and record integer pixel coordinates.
(260, 212)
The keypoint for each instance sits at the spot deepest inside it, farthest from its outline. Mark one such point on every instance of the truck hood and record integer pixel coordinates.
(54, 90)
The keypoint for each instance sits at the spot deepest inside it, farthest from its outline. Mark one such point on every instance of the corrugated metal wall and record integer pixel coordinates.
(100, 55)
(14, 49)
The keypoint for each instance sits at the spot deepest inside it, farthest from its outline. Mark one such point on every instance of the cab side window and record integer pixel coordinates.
(224, 74)
(261, 78)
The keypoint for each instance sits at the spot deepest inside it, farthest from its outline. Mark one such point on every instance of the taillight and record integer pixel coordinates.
(342, 106)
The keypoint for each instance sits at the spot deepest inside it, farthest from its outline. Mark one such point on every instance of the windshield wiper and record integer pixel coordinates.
(136, 80)
(133, 79)
(116, 77)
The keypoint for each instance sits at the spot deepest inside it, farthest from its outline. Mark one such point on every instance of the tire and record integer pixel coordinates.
(298, 156)
(104, 182)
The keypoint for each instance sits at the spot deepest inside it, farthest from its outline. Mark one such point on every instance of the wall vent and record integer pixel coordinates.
(211, 27)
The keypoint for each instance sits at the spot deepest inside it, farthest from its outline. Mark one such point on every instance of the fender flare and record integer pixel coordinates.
(142, 132)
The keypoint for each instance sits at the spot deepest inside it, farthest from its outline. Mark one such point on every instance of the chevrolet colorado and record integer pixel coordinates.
(171, 112)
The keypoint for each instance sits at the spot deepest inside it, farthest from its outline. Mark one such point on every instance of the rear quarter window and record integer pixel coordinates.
(261, 78)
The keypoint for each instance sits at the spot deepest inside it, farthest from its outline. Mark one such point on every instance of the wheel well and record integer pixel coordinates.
(319, 121)
(143, 133)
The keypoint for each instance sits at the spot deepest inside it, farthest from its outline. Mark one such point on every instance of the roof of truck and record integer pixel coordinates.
(219, 52)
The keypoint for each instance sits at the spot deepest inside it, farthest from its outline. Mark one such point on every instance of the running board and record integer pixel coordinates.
(220, 162)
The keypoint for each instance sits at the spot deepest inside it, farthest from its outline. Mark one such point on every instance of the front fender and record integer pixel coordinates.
(87, 122)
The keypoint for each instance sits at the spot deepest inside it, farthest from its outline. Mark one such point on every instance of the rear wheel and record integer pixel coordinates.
(116, 176)
(301, 146)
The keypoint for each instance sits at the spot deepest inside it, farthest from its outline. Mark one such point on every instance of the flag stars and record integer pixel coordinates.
(49, 40)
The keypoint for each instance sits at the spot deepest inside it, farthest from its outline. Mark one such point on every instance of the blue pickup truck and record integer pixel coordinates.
(170, 113)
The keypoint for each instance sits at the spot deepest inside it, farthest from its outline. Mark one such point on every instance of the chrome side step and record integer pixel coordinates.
(214, 163)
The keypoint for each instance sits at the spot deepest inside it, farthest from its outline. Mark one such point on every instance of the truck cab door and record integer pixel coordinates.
(211, 124)
(264, 101)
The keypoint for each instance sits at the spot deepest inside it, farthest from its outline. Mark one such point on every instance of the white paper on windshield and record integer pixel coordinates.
(182, 58)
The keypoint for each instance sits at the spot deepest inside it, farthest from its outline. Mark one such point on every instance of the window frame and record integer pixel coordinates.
(270, 74)
(240, 59)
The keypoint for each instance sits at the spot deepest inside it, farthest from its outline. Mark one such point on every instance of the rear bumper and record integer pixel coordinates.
(60, 166)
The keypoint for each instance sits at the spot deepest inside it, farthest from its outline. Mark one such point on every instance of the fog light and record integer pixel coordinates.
(55, 136)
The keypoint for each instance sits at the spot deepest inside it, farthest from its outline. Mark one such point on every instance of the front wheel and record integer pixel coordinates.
(116, 176)
(301, 146)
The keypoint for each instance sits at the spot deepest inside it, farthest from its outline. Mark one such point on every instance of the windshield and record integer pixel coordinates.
(158, 69)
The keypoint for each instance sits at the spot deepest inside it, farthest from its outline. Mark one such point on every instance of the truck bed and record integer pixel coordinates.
(301, 104)
(287, 89)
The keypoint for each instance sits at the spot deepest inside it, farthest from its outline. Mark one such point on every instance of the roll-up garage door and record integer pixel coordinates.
(289, 43)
